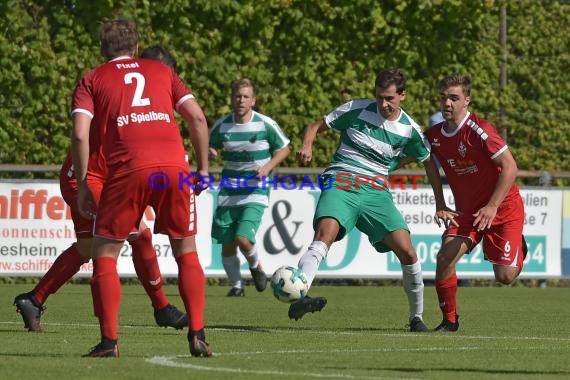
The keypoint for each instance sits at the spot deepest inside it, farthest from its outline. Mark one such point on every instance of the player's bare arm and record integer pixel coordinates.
(192, 113)
(404, 161)
(443, 214)
(484, 217)
(277, 158)
(305, 154)
(80, 156)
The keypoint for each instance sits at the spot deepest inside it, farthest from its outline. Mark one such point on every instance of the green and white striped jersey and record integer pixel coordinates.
(369, 142)
(245, 147)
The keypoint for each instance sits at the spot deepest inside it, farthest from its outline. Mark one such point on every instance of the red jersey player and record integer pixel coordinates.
(30, 304)
(130, 103)
(481, 172)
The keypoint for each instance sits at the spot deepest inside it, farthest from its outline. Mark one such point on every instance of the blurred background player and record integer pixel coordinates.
(253, 145)
(373, 134)
(435, 118)
(31, 305)
(143, 149)
(481, 173)
(160, 54)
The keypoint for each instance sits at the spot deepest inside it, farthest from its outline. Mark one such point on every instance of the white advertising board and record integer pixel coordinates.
(36, 226)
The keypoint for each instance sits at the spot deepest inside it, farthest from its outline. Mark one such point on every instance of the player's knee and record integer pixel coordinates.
(243, 243)
(407, 257)
(443, 260)
(505, 278)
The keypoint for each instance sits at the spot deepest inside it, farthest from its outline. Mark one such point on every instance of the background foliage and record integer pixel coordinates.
(306, 57)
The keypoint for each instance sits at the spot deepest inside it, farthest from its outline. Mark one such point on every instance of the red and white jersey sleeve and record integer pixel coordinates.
(132, 102)
(82, 102)
(466, 156)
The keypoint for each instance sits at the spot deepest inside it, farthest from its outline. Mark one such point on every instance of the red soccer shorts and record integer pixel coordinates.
(125, 198)
(502, 243)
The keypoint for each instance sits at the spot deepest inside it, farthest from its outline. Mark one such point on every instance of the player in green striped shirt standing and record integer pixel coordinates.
(252, 145)
(374, 134)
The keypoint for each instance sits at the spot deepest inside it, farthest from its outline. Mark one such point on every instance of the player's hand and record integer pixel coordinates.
(446, 217)
(262, 172)
(484, 217)
(86, 201)
(304, 156)
(212, 153)
(197, 181)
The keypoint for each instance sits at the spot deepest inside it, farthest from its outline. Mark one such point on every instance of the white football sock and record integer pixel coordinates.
(252, 257)
(231, 265)
(414, 287)
(309, 262)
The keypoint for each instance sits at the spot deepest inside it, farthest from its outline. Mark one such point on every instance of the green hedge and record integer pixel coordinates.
(306, 56)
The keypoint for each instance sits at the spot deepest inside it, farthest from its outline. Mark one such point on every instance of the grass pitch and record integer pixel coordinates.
(505, 333)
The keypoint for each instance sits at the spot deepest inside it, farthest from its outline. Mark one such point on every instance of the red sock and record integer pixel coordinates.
(447, 295)
(148, 272)
(65, 266)
(106, 292)
(96, 298)
(192, 288)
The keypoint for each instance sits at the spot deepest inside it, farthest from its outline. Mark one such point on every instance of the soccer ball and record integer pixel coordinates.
(289, 284)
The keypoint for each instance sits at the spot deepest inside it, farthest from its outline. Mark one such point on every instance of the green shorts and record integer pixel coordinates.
(230, 222)
(370, 210)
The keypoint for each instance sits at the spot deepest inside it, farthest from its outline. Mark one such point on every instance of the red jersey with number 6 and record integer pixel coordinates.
(466, 156)
(131, 103)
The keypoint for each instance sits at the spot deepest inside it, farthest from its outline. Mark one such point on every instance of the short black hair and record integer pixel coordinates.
(386, 78)
(159, 53)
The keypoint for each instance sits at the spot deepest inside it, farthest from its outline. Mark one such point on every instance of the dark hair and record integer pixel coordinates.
(386, 78)
(244, 82)
(118, 37)
(159, 53)
(456, 80)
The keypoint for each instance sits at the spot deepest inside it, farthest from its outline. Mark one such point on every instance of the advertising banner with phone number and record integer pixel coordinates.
(36, 226)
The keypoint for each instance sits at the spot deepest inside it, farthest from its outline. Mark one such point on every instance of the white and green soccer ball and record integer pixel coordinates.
(289, 284)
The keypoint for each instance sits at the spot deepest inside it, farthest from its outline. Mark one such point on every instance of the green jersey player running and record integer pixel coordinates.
(252, 145)
(374, 133)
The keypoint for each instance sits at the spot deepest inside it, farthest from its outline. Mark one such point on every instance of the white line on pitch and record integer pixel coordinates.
(169, 361)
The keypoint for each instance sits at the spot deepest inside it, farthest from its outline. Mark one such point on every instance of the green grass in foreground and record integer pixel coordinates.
(506, 333)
